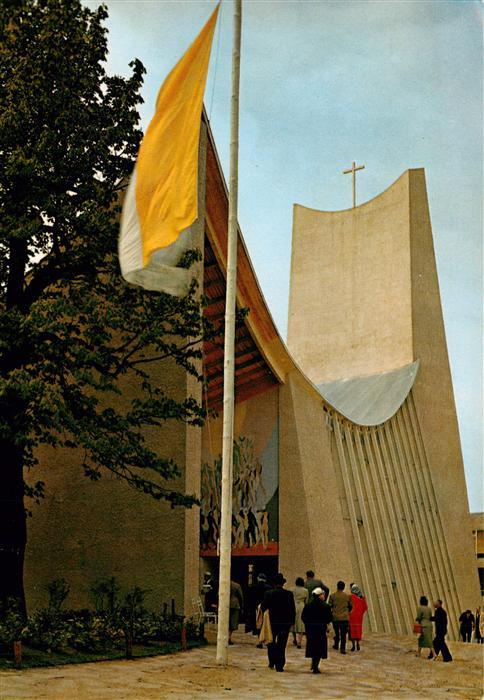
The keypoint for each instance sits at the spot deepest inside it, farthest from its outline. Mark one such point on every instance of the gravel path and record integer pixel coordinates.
(386, 667)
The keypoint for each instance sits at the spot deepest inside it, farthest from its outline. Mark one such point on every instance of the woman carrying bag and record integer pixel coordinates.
(424, 619)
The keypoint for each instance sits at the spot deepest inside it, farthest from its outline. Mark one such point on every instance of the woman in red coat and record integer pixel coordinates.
(359, 608)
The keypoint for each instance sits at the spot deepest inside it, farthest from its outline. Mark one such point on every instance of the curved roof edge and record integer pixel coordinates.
(352, 210)
(370, 400)
(265, 332)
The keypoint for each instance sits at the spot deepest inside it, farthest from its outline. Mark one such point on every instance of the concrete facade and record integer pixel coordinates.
(383, 505)
(364, 282)
(313, 531)
(350, 310)
(477, 522)
(84, 531)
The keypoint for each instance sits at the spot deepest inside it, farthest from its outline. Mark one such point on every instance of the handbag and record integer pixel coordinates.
(417, 628)
(258, 617)
(265, 635)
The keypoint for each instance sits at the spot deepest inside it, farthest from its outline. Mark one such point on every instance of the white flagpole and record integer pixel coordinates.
(229, 359)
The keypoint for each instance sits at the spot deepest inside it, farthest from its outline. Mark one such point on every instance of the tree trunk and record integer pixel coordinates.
(13, 526)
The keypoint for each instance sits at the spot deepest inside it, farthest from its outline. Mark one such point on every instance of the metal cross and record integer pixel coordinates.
(353, 170)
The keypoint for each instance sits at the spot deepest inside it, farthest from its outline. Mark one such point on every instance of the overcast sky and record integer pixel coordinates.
(392, 85)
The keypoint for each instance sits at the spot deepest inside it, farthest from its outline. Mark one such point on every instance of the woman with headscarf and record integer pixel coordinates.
(360, 606)
(316, 617)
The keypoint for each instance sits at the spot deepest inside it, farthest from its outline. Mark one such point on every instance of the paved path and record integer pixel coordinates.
(386, 667)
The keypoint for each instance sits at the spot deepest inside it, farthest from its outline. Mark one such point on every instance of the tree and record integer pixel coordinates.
(69, 326)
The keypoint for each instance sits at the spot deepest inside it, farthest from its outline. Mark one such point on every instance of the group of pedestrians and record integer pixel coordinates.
(424, 617)
(436, 644)
(273, 612)
(308, 609)
(470, 623)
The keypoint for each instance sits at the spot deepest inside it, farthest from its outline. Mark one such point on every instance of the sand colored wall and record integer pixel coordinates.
(434, 397)
(312, 527)
(372, 305)
(86, 531)
(350, 302)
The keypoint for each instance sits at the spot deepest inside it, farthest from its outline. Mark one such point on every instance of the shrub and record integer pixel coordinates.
(114, 623)
(105, 595)
(47, 629)
(12, 622)
(58, 591)
(94, 632)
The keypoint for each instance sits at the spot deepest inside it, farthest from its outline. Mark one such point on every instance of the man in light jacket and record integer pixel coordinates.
(341, 606)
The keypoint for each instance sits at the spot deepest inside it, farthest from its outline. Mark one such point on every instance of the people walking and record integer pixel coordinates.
(358, 610)
(440, 622)
(316, 616)
(282, 614)
(341, 606)
(255, 596)
(479, 627)
(301, 597)
(311, 583)
(210, 593)
(236, 604)
(466, 625)
(424, 618)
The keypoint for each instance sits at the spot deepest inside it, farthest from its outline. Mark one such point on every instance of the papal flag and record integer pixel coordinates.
(161, 202)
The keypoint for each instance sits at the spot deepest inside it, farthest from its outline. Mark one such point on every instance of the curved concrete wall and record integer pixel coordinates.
(364, 301)
(350, 304)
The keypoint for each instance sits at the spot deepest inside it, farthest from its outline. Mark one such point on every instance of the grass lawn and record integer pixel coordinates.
(34, 658)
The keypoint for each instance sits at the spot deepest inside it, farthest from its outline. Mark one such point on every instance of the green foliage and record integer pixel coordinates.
(58, 591)
(47, 629)
(36, 658)
(94, 631)
(105, 595)
(72, 333)
(12, 622)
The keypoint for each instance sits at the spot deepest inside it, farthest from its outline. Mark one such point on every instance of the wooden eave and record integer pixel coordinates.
(261, 358)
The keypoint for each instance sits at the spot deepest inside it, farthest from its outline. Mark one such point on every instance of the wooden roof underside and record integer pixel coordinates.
(261, 361)
(252, 373)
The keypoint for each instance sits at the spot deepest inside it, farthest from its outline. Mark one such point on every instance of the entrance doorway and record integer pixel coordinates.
(245, 569)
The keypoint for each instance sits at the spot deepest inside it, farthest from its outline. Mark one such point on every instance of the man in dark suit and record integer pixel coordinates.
(282, 615)
(440, 620)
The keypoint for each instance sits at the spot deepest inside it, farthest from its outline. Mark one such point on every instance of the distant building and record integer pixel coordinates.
(346, 453)
(477, 521)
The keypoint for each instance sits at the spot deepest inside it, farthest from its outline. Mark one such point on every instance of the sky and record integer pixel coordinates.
(389, 84)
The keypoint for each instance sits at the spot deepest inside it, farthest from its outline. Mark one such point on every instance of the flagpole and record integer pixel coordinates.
(229, 358)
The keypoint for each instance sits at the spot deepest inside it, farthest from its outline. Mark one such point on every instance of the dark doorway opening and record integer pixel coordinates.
(245, 570)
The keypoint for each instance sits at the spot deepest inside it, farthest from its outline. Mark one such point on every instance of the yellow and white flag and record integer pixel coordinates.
(161, 201)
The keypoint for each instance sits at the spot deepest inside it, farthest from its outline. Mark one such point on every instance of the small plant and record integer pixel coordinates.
(58, 591)
(94, 632)
(12, 622)
(132, 608)
(105, 595)
(46, 629)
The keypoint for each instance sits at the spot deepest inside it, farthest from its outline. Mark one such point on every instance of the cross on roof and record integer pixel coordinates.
(353, 170)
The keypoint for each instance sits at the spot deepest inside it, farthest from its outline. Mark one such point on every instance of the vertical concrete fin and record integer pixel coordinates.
(433, 398)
